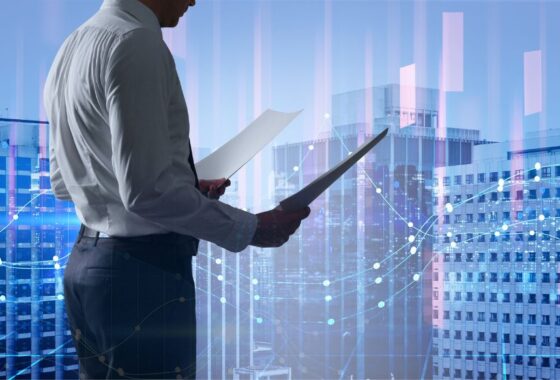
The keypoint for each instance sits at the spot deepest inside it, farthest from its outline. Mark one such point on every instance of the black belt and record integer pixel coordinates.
(86, 231)
(169, 237)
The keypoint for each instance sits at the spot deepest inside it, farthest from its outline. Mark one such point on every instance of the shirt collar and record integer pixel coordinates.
(138, 10)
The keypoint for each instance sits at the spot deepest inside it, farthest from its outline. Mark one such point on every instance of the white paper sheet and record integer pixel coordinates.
(230, 157)
(308, 194)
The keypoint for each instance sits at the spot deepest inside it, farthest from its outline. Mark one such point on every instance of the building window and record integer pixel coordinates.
(506, 257)
(505, 195)
(469, 179)
(532, 173)
(546, 172)
(470, 198)
(506, 174)
(519, 195)
(494, 177)
(545, 193)
(481, 178)
(458, 179)
(446, 181)
(481, 198)
(532, 194)
(505, 277)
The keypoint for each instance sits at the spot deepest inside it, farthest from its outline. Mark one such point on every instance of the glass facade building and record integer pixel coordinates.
(495, 263)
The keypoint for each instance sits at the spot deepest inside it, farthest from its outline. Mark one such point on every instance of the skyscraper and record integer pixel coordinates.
(344, 300)
(36, 236)
(495, 296)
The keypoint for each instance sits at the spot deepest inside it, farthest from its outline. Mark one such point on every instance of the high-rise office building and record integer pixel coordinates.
(342, 301)
(36, 235)
(496, 255)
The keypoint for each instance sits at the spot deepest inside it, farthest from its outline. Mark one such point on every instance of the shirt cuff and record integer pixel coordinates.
(242, 232)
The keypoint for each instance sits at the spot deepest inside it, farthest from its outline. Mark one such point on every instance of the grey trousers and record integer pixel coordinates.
(130, 304)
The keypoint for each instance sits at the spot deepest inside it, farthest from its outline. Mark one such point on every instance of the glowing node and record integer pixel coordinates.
(101, 358)
(500, 189)
(257, 297)
(255, 281)
(416, 277)
(218, 261)
(182, 299)
(505, 227)
(378, 280)
(330, 322)
(0, 261)
(223, 299)
(376, 266)
(328, 298)
(378, 190)
(449, 234)
(537, 178)
(448, 207)
(541, 217)
(120, 371)
(296, 168)
(413, 250)
(55, 258)
(310, 147)
(497, 233)
(411, 238)
(349, 153)
(2, 298)
(453, 244)
(327, 115)
(326, 283)
(60, 297)
(501, 182)
(137, 328)
(538, 165)
(410, 224)
(57, 266)
(532, 232)
(381, 304)
(259, 320)
(220, 277)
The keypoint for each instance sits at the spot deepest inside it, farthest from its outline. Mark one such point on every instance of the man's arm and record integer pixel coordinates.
(138, 87)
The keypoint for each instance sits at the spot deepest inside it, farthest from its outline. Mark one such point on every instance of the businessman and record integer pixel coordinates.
(120, 151)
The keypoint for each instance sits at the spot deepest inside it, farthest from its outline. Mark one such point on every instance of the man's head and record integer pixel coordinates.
(168, 12)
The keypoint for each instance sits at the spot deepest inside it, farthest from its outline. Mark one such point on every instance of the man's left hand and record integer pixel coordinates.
(213, 188)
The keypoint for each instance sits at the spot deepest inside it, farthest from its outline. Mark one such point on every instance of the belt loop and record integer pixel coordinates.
(96, 238)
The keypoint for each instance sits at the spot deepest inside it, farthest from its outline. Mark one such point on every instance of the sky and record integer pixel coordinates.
(238, 58)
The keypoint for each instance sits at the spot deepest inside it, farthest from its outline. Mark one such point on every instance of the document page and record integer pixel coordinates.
(308, 194)
(231, 156)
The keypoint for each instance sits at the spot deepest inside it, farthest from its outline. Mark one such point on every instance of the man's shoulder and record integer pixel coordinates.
(117, 23)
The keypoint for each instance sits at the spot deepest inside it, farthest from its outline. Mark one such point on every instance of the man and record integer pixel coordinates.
(120, 151)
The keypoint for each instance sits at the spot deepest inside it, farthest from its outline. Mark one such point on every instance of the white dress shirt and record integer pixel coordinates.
(119, 134)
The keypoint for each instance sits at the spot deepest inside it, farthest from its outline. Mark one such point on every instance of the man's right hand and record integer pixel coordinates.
(274, 227)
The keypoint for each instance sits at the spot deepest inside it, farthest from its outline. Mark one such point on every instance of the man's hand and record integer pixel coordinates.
(274, 227)
(213, 188)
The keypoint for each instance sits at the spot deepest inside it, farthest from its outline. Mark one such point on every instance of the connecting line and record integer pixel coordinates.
(39, 360)
(24, 121)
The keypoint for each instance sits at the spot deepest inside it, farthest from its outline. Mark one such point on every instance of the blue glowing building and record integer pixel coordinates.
(37, 233)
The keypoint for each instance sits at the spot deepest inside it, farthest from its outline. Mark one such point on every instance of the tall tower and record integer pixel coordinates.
(495, 290)
(345, 299)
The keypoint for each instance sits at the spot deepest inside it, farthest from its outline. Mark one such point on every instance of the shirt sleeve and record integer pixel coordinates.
(139, 81)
